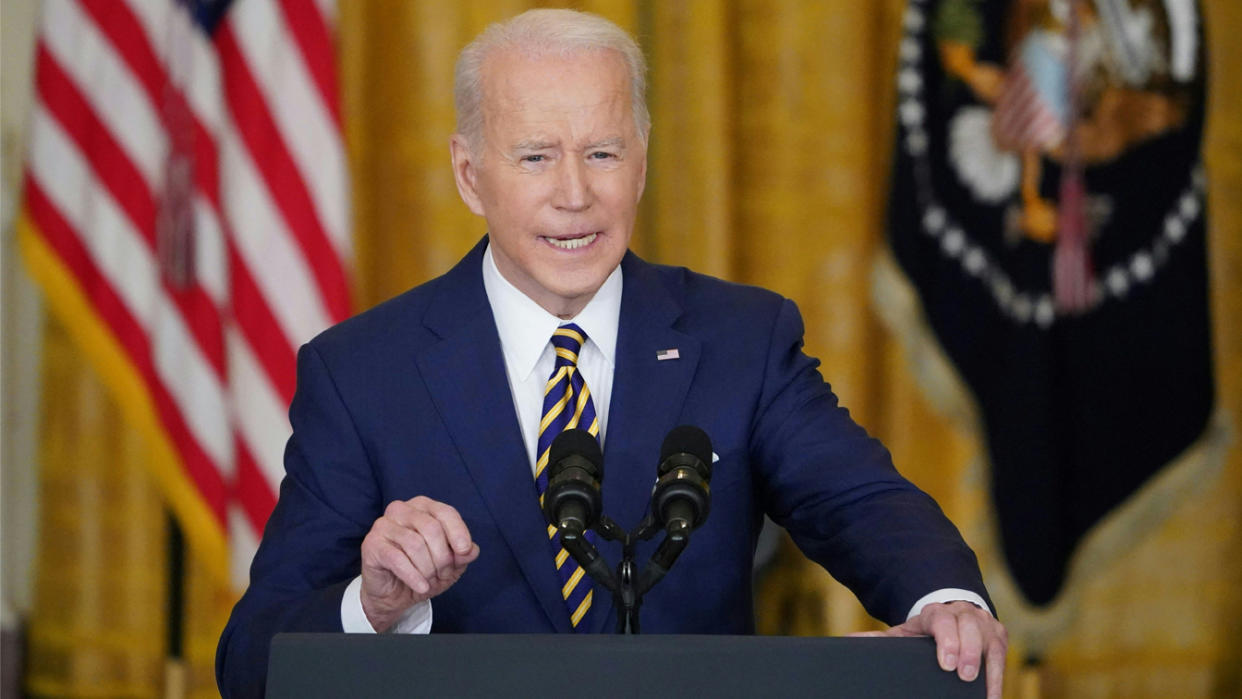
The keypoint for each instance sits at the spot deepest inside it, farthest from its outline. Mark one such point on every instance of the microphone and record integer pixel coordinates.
(681, 498)
(575, 468)
(573, 503)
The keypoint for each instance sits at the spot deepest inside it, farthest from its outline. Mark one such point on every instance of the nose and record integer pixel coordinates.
(573, 186)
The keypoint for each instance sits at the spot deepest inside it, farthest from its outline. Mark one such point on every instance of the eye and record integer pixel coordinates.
(534, 158)
(601, 155)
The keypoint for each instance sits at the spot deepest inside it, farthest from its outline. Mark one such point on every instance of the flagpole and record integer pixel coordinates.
(1030, 684)
(174, 662)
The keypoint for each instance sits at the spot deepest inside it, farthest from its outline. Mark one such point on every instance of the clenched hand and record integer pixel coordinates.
(417, 550)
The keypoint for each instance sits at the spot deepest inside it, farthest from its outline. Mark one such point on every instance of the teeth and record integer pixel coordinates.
(573, 243)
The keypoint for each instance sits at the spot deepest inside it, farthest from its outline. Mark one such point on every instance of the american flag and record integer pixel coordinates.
(1031, 111)
(186, 213)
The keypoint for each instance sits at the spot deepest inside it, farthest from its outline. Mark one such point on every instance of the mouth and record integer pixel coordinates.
(573, 242)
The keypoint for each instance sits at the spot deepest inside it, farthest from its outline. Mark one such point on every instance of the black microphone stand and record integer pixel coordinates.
(627, 586)
(679, 504)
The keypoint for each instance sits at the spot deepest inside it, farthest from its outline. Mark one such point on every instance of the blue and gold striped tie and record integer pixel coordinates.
(566, 404)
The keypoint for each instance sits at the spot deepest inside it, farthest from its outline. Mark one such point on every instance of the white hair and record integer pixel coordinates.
(540, 33)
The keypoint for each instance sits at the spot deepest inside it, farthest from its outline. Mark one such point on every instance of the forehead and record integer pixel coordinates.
(584, 91)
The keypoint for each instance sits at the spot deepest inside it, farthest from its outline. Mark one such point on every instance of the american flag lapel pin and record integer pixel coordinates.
(668, 354)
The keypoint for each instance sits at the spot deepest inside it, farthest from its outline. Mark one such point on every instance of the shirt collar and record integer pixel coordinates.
(525, 327)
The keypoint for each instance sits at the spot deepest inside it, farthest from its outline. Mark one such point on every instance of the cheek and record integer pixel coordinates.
(631, 190)
(513, 212)
(511, 194)
(620, 194)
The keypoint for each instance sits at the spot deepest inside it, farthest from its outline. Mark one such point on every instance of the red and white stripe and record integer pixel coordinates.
(270, 209)
(1023, 119)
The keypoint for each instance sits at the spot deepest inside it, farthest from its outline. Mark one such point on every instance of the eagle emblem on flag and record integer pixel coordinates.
(1048, 211)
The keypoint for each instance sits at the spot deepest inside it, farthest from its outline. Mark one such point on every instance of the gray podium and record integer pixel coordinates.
(305, 666)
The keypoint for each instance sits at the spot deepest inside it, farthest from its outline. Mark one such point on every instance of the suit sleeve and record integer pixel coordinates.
(836, 491)
(310, 551)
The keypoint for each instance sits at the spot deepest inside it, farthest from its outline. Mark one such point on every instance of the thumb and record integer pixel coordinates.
(461, 560)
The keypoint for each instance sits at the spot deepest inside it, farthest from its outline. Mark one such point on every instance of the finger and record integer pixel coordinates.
(414, 547)
(970, 639)
(943, 627)
(460, 562)
(434, 538)
(394, 560)
(453, 573)
(455, 530)
(400, 510)
(464, 559)
(417, 515)
(995, 659)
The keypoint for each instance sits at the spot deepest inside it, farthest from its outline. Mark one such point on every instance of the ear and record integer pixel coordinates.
(465, 173)
(642, 174)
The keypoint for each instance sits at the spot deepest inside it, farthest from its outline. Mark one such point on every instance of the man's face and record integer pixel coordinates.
(559, 173)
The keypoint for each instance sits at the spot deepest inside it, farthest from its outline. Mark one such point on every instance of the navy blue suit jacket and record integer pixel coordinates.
(411, 398)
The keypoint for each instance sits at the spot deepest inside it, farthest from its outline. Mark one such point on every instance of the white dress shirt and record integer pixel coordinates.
(525, 330)
(525, 338)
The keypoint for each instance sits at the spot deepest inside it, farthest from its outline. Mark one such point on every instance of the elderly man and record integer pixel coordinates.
(421, 427)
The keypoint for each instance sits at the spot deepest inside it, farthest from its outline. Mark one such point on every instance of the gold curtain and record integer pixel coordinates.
(99, 623)
(768, 165)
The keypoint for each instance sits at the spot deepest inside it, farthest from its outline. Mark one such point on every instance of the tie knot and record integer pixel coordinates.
(568, 340)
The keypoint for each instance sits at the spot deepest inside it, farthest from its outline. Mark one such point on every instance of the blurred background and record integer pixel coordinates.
(770, 163)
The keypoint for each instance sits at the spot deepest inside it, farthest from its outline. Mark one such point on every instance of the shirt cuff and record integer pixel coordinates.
(415, 620)
(948, 594)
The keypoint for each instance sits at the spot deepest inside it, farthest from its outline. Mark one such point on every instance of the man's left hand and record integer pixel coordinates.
(966, 636)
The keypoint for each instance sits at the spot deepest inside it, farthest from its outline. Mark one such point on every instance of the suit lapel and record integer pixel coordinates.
(647, 397)
(465, 375)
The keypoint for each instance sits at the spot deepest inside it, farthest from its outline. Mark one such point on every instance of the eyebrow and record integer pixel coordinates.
(537, 144)
(532, 144)
(615, 142)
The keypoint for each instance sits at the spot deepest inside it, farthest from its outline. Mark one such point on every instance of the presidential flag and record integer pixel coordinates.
(1048, 207)
(185, 213)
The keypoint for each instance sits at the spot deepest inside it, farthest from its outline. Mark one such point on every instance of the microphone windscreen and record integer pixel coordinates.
(688, 439)
(576, 441)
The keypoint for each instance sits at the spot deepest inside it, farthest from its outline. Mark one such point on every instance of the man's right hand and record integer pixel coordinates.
(417, 550)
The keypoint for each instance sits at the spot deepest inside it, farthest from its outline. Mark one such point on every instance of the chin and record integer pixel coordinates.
(579, 291)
